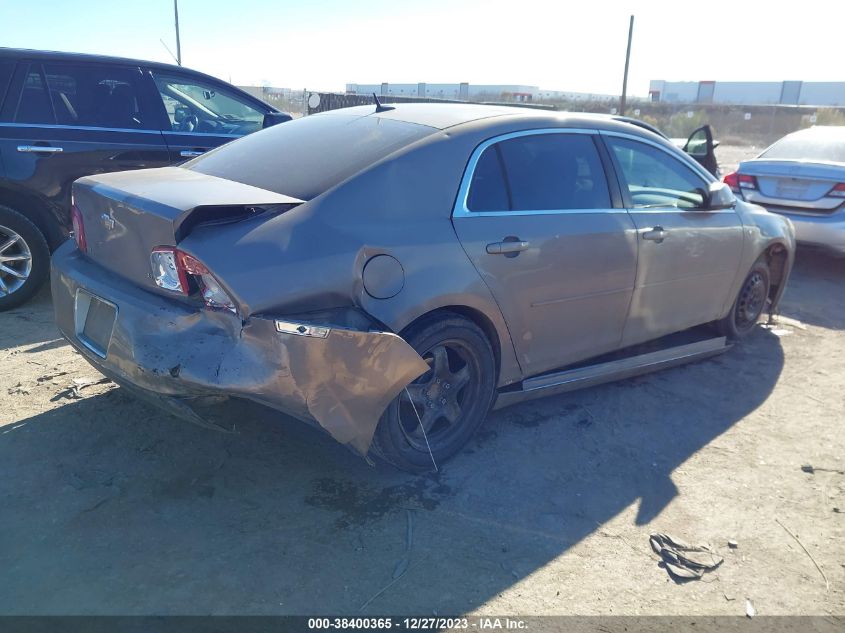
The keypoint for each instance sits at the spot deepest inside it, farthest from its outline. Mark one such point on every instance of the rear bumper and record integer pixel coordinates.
(180, 355)
(825, 231)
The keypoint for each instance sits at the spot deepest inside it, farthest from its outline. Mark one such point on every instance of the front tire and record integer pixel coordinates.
(750, 302)
(24, 259)
(451, 399)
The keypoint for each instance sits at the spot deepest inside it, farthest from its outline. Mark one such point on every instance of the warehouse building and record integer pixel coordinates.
(811, 93)
(566, 95)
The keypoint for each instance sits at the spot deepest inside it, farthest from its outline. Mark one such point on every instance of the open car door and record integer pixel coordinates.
(702, 148)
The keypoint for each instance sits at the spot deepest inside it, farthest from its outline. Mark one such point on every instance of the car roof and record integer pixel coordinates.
(836, 131)
(32, 54)
(43, 56)
(449, 115)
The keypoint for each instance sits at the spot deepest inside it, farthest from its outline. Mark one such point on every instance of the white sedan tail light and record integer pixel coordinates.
(838, 191)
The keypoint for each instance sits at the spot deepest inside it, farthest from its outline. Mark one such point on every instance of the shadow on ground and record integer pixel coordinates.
(32, 323)
(816, 288)
(113, 507)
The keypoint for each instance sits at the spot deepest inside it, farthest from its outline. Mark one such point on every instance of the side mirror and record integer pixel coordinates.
(719, 196)
(273, 118)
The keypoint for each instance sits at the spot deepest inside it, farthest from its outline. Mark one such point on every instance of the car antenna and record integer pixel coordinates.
(379, 107)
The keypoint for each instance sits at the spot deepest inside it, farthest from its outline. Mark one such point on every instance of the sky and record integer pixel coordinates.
(556, 45)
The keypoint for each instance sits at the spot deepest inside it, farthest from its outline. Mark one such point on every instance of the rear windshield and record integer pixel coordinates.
(305, 157)
(818, 145)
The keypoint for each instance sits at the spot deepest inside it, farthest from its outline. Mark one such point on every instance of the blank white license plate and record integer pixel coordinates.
(791, 189)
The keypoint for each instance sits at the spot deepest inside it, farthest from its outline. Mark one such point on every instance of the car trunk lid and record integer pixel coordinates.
(128, 214)
(793, 183)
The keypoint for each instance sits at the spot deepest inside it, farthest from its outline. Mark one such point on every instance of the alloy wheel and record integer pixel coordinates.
(752, 300)
(15, 261)
(433, 406)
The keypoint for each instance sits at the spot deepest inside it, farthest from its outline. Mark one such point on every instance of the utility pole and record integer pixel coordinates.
(625, 78)
(179, 44)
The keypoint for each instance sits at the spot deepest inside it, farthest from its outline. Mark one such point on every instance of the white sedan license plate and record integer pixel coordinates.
(791, 189)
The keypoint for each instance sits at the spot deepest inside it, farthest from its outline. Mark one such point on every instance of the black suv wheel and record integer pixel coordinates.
(24, 259)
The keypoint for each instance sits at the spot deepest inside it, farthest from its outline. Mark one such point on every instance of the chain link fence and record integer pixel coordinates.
(755, 125)
(324, 101)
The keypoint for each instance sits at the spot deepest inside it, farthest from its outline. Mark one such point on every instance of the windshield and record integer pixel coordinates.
(816, 144)
(305, 157)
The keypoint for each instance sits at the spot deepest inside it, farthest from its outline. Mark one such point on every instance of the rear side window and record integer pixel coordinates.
(6, 69)
(539, 172)
(95, 96)
(34, 105)
(488, 191)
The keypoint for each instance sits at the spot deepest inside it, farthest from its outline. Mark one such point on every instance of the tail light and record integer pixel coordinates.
(177, 271)
(838, 191)
(78, 228)
(737, 181)
(747, 182)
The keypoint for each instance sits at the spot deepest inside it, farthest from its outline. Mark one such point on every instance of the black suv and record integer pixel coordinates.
(65, 115)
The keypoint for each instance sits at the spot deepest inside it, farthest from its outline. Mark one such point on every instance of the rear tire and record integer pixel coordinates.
(750, 303)
(24, 259)
(452, 398)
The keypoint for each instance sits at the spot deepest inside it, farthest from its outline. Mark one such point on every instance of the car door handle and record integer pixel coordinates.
(191, 153)
(503, 248)
(657, 234)
(40, 149)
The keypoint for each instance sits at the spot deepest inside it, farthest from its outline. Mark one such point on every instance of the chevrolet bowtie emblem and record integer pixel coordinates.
(107, 221)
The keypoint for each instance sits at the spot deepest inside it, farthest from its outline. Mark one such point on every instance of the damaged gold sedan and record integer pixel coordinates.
(392, 273)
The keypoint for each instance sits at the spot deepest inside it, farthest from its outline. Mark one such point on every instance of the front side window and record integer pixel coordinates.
(656, 179)
(195, 106)
(95, 96)
(539, 172)
(697, 143)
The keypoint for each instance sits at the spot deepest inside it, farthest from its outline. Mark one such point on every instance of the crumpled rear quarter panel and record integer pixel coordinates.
(343, 382)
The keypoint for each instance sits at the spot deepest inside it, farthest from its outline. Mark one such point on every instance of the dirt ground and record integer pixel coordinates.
(729, 156)
(108, 506)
